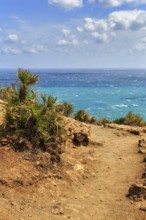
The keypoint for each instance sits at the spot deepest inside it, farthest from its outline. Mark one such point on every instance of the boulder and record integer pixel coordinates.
(80, 138)
(79, 168)
(137, 191)
(77, 132)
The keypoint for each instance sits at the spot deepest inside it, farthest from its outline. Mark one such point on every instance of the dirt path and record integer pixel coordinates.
(103, 197)
(99, 195)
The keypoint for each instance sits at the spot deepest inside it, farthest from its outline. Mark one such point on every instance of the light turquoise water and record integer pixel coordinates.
(103, 93)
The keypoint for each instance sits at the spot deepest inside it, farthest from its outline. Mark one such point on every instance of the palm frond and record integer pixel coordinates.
(26, 77)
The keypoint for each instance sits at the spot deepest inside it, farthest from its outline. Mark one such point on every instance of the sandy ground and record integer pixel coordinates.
(92, 184)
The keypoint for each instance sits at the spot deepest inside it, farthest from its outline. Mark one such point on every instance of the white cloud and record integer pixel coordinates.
(75, 42)
(66, 32)
(101, 25)
(109, 28)
(30, 50)
(117, 3)
(67, 4)
(72, 42)
(12, 38)
(100, 38)
(117, 20)
(85, 42)
(110, 3)
(89, 24)
(133, 20)
(62, 42)
(79, 29)
(35, 49)
(142, 45)
(93, 24)
(144, 40)
(9, 50)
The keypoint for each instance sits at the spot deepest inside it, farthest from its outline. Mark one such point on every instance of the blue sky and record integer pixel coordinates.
(73, 33)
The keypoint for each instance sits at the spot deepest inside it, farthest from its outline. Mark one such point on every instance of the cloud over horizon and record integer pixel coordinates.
(75, 33)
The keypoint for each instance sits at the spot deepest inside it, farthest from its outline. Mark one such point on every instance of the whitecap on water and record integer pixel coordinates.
(128, 100)
(135, 105)
(120, 106)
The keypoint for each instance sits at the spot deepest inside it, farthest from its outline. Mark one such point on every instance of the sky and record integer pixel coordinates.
(73, 33)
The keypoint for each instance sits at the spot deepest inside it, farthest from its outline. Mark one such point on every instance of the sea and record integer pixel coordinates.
(109, 93)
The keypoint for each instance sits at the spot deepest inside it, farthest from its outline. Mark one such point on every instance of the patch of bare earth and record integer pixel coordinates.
(91, 182)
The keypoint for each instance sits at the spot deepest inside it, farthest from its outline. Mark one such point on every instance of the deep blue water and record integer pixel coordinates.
(103, 93)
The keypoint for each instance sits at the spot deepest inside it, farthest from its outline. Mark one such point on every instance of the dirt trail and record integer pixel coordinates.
(99, 195)
(103, 197)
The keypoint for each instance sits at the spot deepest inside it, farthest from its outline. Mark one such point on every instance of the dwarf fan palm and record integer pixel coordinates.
(27, 79)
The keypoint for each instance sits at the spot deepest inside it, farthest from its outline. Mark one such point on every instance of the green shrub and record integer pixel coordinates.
(26, 117)
(103, 121)
(65, 109)
(119, 121)
(83, 116)
(131, 119)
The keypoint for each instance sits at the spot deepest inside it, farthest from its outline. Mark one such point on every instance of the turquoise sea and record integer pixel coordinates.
(107, 93)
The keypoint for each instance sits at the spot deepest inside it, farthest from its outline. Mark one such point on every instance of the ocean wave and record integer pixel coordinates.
(120, 106)
(135, 105)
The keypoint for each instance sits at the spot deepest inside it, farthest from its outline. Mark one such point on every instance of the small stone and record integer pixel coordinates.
(143, 208)
(58, 210)
(144, 175)
(4, 141)
(137, 191)
(79, 167)
(144, 183)
(142, 146)
(21, 208)
(134, 131)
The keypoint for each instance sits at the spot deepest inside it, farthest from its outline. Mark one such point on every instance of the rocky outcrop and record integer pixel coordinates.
(78, 133)
(137, 191)
(130, 129)
(142, 146)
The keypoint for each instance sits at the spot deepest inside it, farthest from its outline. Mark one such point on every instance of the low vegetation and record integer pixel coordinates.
(83, 116)
(37, 122)
(29, 119)
(65, 109)
(103, 121)
(131, 119)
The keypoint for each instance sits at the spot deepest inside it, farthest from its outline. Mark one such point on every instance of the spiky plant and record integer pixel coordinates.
(49, 102)
(26, 80)
(83, 116)
(26, 117)
(131, 119)
(65, 109)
